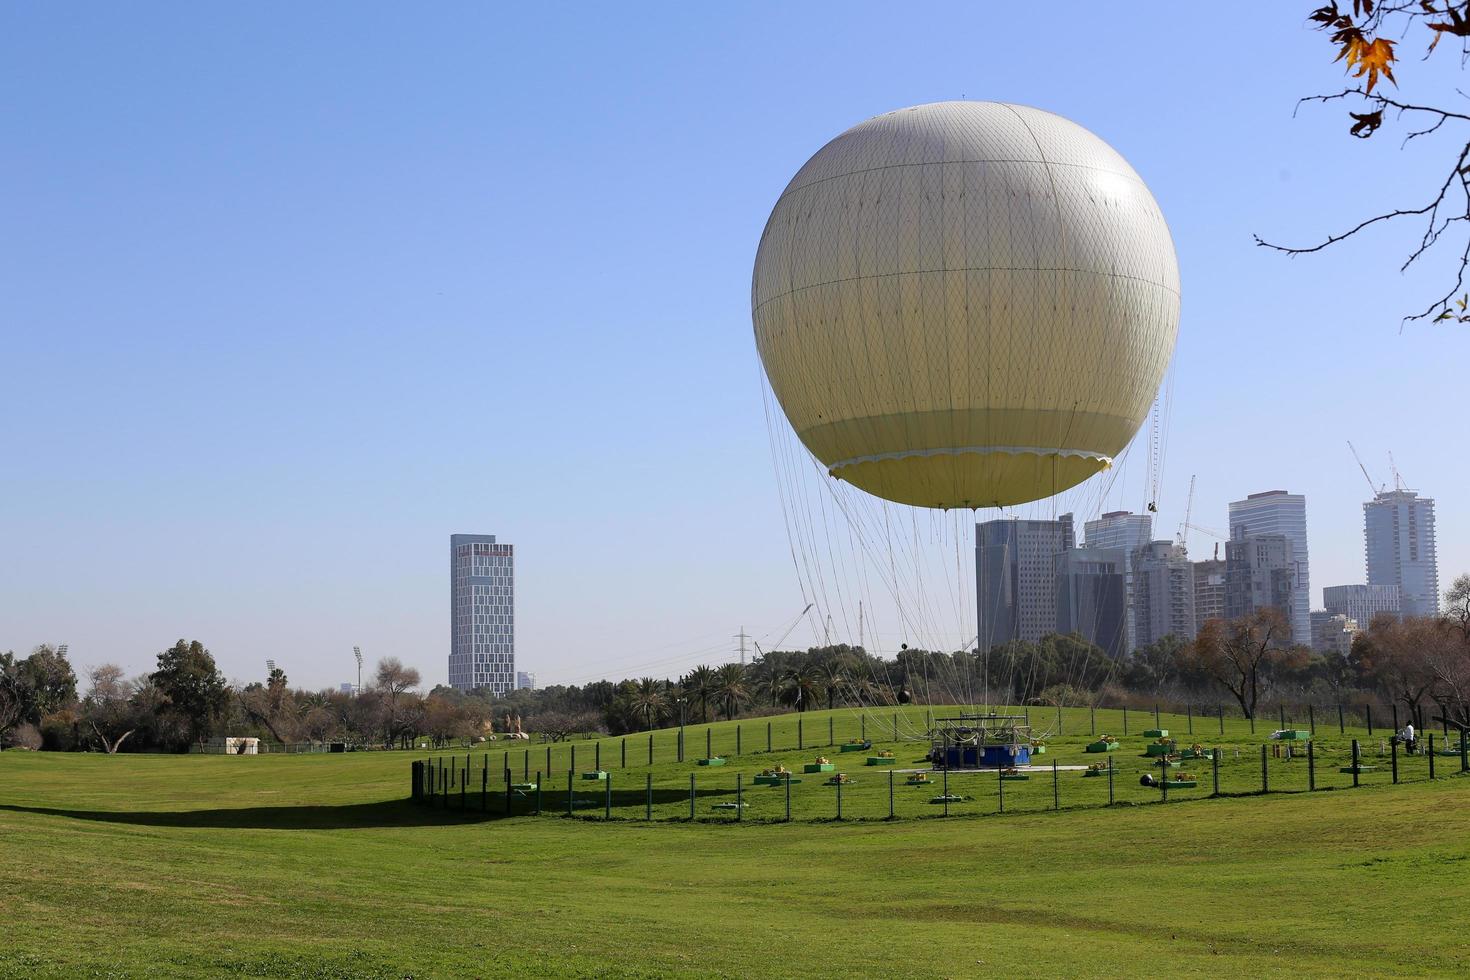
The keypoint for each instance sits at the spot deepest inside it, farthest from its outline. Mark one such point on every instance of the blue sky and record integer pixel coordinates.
(289, 293)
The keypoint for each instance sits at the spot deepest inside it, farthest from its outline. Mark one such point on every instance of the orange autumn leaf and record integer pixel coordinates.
(1370, 57)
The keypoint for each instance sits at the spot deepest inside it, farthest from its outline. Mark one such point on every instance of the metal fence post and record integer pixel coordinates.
(831, 732)
(485, 786)
(739, 798)
(1311, 719)
(1059, 719)
(788, 796)
(508, 796)
(650, 748)
(1216, 759)
(1056, 793)
(895, 726)
(573, 763)
(890, 793)
(538, 792)
(863, 727)
(1393, 758)
(800, 739)
(1395, 709)
(691, 796)
(768, 736)
(1431, 755)
(1000, 782)
(1157, 724)
(1189, 713)
(1092, 714)
(1125, 719)
(570, 774)
(648, 805)
(1311, 765)
(1220, 710)
(1110, 780)
(1356, 757)
(737, 740)
(607, 797)
(839, 796)
(1368, 710)
(1265, 786)
(945, 791)
(548, 760)
(597, 756)
(625, 754)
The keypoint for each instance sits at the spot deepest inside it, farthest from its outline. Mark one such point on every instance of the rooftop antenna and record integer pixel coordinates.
(357, 652)
(1398, 481)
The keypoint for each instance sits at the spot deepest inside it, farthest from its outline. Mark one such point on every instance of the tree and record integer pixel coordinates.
(107, 711)
(648, 701)
(1240, 654)
(799, 687)
(698, 686)
(393, 682)
(1365, 37)
(1396, 654)
(193, 686)
(730, 689)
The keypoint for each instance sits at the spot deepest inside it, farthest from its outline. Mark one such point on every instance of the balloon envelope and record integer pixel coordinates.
(965, 304)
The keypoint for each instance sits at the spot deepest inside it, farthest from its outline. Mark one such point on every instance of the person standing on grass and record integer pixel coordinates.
(1407, 737)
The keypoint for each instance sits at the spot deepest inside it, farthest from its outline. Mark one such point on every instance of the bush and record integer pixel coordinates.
(58, 731)
(25, 736)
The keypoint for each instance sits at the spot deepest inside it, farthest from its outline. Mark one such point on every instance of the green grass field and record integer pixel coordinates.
(316, 866)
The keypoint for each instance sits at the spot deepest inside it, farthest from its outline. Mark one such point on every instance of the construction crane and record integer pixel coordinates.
(794, 623)
(1398, 481)
(1371, 486)
(1181, 537)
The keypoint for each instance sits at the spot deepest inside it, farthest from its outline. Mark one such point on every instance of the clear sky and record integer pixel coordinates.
(291, 292)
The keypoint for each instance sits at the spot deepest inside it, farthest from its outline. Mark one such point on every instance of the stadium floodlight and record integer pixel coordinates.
(357, 652)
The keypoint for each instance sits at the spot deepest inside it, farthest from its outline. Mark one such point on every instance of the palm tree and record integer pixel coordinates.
(833, 672)
(698, 686)
(798, 686)
(731, 689)
(648, 701)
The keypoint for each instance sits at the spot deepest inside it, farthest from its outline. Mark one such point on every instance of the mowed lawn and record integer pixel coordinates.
(148, 866)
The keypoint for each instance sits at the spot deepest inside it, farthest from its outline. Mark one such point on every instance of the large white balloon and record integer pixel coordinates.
(965, 304)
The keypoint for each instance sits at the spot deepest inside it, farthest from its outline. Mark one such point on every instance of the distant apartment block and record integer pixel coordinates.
(482, 651)
(1128, 532)
(1277, 512)
(1333, 632)
(1361, 603)
(1163, 597)
(1016, 578)
(525, 681)
(1209, 591)
(1091, 598)
(1260, 573)
(1398, 541)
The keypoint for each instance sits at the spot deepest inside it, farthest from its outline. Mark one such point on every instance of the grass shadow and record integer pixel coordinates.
(388, 813)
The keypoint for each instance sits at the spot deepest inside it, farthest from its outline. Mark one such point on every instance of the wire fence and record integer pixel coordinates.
(1206, 754)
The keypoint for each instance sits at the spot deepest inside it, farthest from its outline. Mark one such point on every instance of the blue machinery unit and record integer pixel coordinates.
(981, 742)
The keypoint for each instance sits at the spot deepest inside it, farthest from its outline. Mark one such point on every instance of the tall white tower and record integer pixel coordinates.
(1398, 541)
(482, 621)
(1279, 512)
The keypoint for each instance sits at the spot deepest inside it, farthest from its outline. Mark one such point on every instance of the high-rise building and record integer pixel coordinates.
(1260, 573)
(525, 681)
(1163, 593)
(1209, 591)
(1332, 632)
(1362, 602)
(1398, 538)
(1128, 531)
(1016, 578)
(482, 645)
(1279, 512)
(1091, 599)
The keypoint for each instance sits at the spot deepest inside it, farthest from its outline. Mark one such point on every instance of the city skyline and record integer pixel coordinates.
(280, 265)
